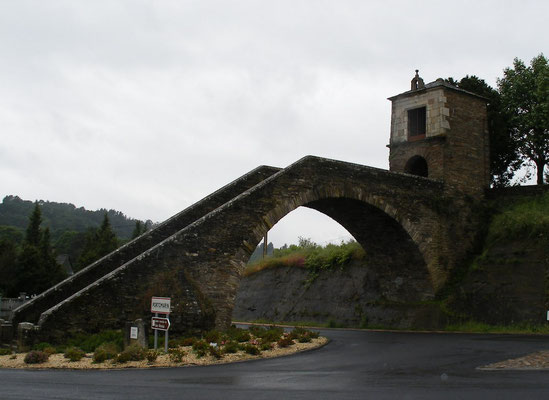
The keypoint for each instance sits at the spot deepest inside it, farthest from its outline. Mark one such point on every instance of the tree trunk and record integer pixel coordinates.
(540, 166)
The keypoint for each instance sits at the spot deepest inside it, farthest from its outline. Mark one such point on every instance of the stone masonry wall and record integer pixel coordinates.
(31, 311)
(205, 259)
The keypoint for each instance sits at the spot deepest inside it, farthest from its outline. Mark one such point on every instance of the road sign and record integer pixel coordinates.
(160, 305)
(161, 324)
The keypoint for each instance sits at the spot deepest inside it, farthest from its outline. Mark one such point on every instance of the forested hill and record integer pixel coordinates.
(62, 217)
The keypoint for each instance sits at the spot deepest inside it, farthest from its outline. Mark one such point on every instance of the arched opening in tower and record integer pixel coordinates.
(417, 165)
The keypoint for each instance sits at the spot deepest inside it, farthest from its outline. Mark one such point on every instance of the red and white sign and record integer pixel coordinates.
(160, 305)
(162, 324)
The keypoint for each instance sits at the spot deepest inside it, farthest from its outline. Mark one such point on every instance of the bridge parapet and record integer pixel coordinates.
(31, 310)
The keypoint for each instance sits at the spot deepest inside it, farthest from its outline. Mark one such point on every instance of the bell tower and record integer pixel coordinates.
(440, 131)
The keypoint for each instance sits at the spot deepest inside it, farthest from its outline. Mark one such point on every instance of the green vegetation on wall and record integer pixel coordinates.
(309, 255)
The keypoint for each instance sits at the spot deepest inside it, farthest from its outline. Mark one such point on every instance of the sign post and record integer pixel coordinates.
(161, 305)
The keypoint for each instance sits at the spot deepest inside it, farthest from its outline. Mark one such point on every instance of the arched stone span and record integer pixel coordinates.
(391, 252)
(207, 256)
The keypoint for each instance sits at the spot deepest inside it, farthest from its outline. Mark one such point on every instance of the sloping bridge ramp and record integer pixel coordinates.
(421, 228)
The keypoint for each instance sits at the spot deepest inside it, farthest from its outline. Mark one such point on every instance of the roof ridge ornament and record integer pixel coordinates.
(417, 82)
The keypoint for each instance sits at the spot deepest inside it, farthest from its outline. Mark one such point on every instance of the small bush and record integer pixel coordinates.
(251, 349)
(212, 337)
(285, 342)
(50, 350)
(238, 334)
(89, 343)
(176, 355)
(302, 335)
(41, 346)
(132, 353)
(5, 352)
(36, 357)
(271, 335)
(74, 354)
(201, 348)
(231, 347)
(216, 352)
(105, 352)
(266, 346)
(152, 355)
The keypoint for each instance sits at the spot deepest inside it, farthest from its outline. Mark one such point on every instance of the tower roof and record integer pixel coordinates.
(432, 85)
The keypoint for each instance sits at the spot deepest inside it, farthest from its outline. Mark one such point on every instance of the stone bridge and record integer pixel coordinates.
(419, 228)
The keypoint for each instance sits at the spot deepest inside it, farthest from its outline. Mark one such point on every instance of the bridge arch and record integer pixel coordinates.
(395, 215)
(389, 243)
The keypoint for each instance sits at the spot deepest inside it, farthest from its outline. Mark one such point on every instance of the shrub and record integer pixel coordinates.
(251, 349)
(201, 348)
(5, 352)
(231, 347)
(36, 357)
(89, 343)
(285, 342)
(74, 354)
(238, 334)
(105, 352)
(216, 352)
(41, 346)
(271, 335)
(50, 350)
(132, 353)
(176, 355)
(266, 346)
(303, 335)
(152, 355)
(212, 336)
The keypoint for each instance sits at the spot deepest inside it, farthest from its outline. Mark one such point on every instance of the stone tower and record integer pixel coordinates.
(440, 131)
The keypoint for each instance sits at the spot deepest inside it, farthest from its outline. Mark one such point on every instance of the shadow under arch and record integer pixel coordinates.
(394, 271)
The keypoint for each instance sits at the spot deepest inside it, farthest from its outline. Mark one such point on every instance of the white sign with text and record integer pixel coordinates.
(160, 305)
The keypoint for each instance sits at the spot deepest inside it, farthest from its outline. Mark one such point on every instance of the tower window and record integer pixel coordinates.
(417, 121)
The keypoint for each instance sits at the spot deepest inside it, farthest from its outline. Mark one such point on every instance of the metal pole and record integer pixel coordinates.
(155, 334)
(166, 339)
(265, 245)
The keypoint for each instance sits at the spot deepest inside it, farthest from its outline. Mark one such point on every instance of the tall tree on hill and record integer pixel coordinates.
(34, 233)
(36, 267)
(99, 242)
(525, 98)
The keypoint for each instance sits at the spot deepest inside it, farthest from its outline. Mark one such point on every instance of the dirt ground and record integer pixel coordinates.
(163, 360)
(534, 361)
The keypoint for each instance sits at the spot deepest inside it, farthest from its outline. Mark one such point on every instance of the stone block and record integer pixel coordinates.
(136, 332)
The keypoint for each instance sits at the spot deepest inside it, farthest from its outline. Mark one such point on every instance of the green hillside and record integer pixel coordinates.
(62, 217)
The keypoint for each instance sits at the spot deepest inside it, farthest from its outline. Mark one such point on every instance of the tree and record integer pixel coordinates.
(99, 242)
(34, 233)
(504, 157)
(36, 267)
(140, 228)
(8, 259)
(525, 99)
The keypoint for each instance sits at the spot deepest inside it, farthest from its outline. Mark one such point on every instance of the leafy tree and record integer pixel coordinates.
(504, 157)
(99, 242)
(8, 259)
(525, 98)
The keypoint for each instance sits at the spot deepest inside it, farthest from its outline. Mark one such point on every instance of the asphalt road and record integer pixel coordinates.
(354, 365)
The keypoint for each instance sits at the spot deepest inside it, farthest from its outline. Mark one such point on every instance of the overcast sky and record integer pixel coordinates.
(147, 106)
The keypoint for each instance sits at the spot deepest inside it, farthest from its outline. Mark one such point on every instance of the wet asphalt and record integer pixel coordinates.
(354, 365)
